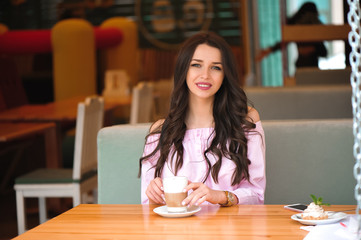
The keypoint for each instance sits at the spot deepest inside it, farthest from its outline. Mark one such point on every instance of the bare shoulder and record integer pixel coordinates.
(253, 115)
(155, 126)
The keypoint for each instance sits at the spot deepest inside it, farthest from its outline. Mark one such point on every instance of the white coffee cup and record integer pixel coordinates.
(173, 192)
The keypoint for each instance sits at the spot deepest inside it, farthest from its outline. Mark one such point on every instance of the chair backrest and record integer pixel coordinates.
(316, 76)
(119, 150)
(116, 84)
(142, 103)
(11, 87)
(89, 121)
(303, 157)
(309, 157)
(162, 95)
(302, 102)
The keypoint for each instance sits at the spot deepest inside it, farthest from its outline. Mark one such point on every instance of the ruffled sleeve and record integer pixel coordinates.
(147, 165)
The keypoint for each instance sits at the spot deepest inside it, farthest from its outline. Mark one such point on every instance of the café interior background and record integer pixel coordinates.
(164, 24)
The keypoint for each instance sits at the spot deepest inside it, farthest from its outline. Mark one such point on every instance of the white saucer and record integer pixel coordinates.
(162, 211)
(332, 218)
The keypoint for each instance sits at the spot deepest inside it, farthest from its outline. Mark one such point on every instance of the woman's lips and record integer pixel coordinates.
(204, 86)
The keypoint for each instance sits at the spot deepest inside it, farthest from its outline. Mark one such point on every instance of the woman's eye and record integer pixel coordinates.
(216, 68)
(195, 65)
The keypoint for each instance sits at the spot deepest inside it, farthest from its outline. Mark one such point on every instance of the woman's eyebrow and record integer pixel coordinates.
(198, 60)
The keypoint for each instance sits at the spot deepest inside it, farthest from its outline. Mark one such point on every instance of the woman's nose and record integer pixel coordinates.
(205, 73)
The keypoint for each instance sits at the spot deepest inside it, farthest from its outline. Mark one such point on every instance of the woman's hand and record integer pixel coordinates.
(202, 193)
(155, 191)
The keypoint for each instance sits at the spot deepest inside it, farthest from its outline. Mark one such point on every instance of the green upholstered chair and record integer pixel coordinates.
(316, 76)
(119, 150)
(74, 182)
(302, 102)
(306, 157)
(303, 157)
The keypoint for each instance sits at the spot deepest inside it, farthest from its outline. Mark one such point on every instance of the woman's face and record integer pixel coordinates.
(205, 74)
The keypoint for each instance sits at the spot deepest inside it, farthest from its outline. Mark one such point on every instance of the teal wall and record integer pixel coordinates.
(270, 33)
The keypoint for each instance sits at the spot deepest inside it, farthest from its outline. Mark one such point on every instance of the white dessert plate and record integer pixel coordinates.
(162, 211)
(333, 217)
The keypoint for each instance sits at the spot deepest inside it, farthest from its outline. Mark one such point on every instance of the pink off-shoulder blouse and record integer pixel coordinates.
(195, 167)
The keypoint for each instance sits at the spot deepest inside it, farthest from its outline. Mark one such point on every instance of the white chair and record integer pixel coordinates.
(74, 182)
(142, 103)
(162, 94)
(116, 84)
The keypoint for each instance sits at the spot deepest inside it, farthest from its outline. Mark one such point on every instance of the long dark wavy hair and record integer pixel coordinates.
(229, 112)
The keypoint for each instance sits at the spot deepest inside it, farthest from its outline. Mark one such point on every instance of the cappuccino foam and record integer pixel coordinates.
(175, 199)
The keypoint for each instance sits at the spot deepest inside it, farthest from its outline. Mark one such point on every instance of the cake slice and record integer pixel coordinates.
(314, 212)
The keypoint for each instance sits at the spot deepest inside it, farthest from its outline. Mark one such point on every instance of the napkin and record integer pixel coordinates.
(344, 230)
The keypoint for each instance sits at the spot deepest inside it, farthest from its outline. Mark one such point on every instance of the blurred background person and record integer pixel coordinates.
(308, 52)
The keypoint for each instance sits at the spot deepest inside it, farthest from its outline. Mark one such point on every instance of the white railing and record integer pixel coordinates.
(355, 58)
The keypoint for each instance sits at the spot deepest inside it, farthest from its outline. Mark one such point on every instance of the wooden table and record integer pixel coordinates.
(91, 221)
(12, 136)
(59, 111)
(10, 131)
(63, 113)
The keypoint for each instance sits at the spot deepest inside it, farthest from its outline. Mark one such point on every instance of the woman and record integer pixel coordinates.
(210, 135)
